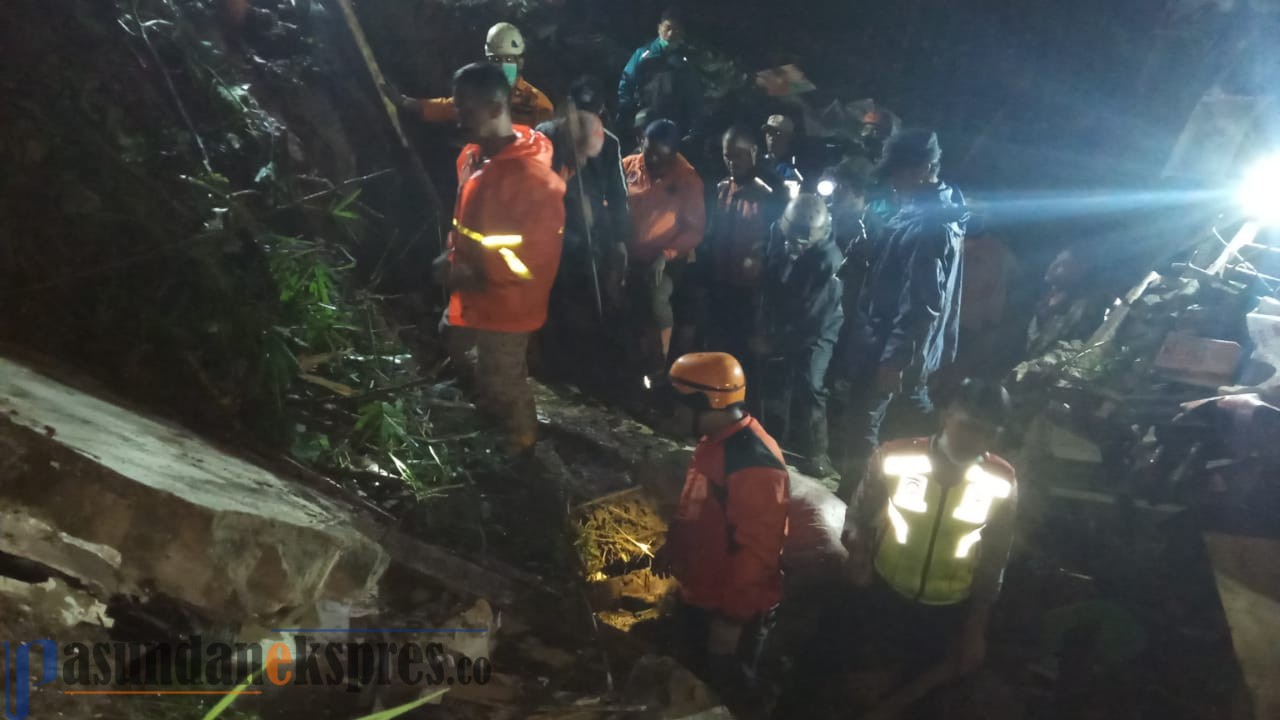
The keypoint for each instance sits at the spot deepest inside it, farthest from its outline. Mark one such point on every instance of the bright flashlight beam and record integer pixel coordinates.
(1259, 192)
(826, 188)
(1045, 206)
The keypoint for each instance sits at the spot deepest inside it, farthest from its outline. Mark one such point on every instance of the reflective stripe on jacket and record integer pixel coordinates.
(731, 522)
(529, 106)
(942, 531)
(667, 213)
(508, 224)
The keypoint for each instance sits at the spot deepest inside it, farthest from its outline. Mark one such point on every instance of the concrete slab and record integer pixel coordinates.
(1247, 572)
(175, 514)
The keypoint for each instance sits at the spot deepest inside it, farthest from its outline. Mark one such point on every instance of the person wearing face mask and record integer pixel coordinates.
(725, 544)
(801, 321)
(659, 78)
(929, 533)
(504, 47)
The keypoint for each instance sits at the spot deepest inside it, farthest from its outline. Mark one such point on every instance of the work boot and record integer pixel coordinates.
(819, 468)
(816, 463)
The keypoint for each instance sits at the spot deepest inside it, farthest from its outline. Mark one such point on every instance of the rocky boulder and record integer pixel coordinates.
(129, 504)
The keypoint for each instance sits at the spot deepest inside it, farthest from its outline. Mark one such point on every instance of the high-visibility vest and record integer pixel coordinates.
(933, 538)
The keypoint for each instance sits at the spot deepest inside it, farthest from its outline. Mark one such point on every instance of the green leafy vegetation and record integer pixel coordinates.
(185, 220)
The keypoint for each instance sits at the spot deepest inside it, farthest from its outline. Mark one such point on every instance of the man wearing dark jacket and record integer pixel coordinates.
(659, 78)
(909, 313)
(802, 317)
(602, 218)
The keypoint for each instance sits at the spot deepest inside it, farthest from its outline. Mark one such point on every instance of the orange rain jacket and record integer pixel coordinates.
(731, 523)
(666, 214)
(529, 106)
(739, 231)
(508, 225)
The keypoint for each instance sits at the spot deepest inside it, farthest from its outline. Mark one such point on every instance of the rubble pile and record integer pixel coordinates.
(1115, 398)
(1142, 447)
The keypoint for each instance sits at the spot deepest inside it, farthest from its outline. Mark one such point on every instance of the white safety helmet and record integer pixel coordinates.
(504, 39)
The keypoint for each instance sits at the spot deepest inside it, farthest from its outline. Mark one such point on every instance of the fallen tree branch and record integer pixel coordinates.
(610, 497)
(424, 402)
(335, 189)
(327, 486)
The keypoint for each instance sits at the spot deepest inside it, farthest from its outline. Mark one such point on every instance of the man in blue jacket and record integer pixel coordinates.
(660, 79)
(910, 310)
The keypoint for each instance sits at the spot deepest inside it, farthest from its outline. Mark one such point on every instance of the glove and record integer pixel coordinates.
(397, 98)
(665, 563)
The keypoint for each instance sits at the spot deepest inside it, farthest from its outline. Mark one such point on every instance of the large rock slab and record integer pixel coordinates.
(1247, 572)
(609, 450)
(132, 504)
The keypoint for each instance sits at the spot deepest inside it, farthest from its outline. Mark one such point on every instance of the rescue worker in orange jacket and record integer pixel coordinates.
(725, 543)
(929, 532)
(668, 218)
(503, 251)
(504, 47)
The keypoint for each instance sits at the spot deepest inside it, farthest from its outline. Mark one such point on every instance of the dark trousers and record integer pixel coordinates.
(868, 631)
(495, 366)
(863, 418)
(737, 672)
(796, 400)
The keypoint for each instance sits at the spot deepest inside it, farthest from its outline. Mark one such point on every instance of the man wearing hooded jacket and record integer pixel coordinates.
(503, 252)
(909, 314)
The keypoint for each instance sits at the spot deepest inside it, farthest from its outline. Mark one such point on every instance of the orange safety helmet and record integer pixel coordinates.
(716, 376)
